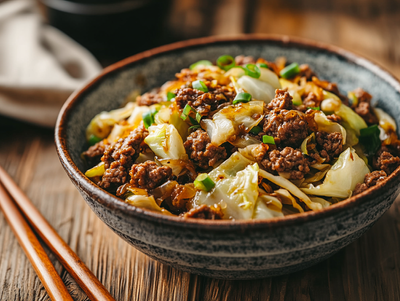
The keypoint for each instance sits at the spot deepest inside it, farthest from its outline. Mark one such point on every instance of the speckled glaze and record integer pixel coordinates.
(226, 249)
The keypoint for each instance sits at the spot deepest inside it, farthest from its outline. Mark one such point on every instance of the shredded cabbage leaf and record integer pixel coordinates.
(385, 120)
(267, 207)
(343, 176)
(147, 202)
(259, 89)
(165, 141)
(270, 78)
(225, 123)
(328, 126)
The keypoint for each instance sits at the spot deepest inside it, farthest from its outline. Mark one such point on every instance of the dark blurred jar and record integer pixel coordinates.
(111, 29)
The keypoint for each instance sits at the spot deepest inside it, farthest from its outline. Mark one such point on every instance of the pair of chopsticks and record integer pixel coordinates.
(10, 193)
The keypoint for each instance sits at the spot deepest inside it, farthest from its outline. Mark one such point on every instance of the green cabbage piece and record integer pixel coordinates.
(343, 176)
(332, 103)
(267, 207)
(147, 202)
(259, 89)
(102, 124)
(165, 141)
(225, 123)
(270, 77)
(236, 188)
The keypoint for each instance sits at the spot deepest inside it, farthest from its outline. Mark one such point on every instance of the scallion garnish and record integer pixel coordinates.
(369, 138)
(198, 117)
(193, 121)
(290, 71)
(203, 182)
(314, 108)
(93, 139)
(242, 97)
(199, 63)
(194, 127)
(200, 85)
(226, 62)
(252, 70)
(353, 99)
(170, 96)
(148, 118)
(255, 130)
(268, 139)
(263, 65)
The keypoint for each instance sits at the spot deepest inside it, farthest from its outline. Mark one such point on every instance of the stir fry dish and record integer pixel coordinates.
(242, 139)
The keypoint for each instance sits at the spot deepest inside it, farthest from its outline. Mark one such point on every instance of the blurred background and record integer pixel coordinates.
(114, 29)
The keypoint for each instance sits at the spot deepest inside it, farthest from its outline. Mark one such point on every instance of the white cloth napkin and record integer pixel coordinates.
(39, 65)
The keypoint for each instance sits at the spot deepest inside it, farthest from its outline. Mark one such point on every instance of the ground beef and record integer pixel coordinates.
(187, 75)
(288, 160)
(149, 99)
(282, 100)
(334, 118)
(311, 101)
(371, 179)
(205, 212)
(149, 175)
(330, 145)
(385, 161)
(242, 60)
(305, 71)
(286, 126)
(364, 107)
(200, 149)
(119, 157)
(176, 197)
(202, 102)
(94, 153)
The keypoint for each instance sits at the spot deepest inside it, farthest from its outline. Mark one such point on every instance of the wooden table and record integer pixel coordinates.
(368, 269)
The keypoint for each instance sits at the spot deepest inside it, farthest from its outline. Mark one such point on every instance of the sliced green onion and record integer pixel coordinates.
(148, 118)
(268, 139)
(263, 65)
(203, 182)
(200, 85)
(170, 95)
(255, 130)
(314, 108)
(199, 63)
(369, 138)
(198, 117)
(194, 127)
(93, 139)
(187, 109)
(252, 70)
(242, 97)
(193, 121)
(290, 71)
(226, 62)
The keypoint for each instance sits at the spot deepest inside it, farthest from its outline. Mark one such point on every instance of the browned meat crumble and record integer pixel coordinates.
(200, 149)
(205, 212)
(371, 179)
(149, 175)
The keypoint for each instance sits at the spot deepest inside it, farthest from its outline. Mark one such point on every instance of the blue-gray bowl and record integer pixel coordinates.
(226, 249)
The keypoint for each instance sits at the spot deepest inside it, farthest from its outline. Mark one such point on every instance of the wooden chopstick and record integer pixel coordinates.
(33, 249)
(72, 263)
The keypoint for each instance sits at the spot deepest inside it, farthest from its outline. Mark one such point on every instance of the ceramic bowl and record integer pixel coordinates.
(228, 249)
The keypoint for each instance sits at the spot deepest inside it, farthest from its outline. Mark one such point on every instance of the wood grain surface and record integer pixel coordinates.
(368, 269)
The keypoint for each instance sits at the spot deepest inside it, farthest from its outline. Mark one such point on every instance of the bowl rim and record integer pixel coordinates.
(112, 202)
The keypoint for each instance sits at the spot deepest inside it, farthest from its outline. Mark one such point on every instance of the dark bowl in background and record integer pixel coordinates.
(242, 249)
(111, 29)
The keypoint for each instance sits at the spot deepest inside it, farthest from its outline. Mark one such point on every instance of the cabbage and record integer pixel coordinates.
(257, 88)
(236, 188)
(225, 123)
(244, 141)
(270, 77)
(101, 125)
(136, 116)
(385, 120)
(119, 131)
(325, 125)
(294, 90)
(235, 72)
(165, 141)
(322, 201)
(288, 199)
(351, 138)
(343, 176)
(96, 171)
(267, 207)
(147, 202)
(284, 183)
(332, 103)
